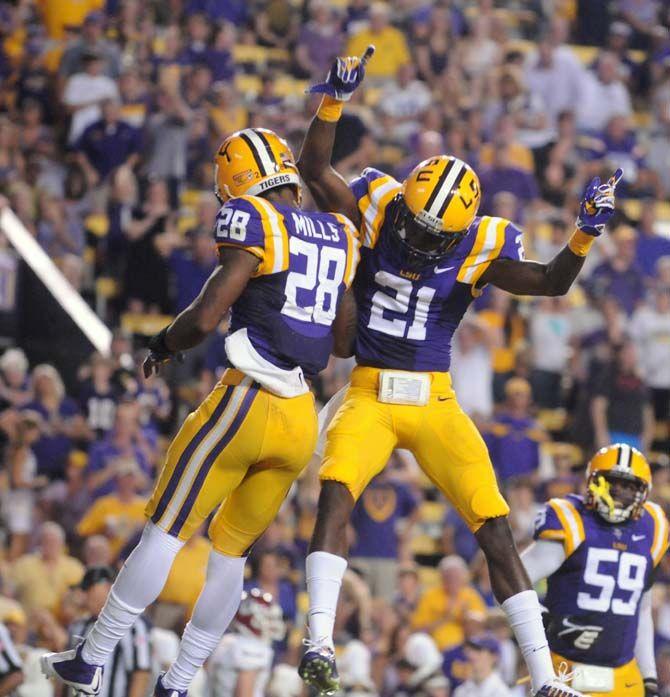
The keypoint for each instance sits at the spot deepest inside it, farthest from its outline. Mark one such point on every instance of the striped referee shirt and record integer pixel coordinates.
(10, 661)
(131, 654)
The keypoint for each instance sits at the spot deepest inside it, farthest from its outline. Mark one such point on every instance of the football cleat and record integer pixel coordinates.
(317, 669)
(72, 670)
(557, 688)
(161, 691)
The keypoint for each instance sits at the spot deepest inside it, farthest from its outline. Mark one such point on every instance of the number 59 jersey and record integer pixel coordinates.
(407, 316)
(283, 319)
(594, 597)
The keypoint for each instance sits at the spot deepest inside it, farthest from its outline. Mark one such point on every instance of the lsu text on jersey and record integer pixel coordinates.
(593, 599)
(253, 435)
(406, 320)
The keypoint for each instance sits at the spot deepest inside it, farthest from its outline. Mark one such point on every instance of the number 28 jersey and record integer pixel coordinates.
(407, 316)
(594, 597)
(306, 262)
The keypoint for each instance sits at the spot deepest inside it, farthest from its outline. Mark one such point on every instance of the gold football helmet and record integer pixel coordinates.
(253, 161)
(627, 465)
(438, 203)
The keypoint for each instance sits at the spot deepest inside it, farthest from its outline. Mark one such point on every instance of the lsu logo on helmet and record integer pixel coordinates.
(443, 193)
(617, 461)
(253, 161)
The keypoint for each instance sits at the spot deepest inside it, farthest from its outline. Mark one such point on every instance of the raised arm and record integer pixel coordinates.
(556, 277)
(204, 314)
(328, 187)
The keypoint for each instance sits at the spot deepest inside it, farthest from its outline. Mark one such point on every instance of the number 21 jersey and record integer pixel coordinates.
(306, 262)
(594, 597)
(407, 316)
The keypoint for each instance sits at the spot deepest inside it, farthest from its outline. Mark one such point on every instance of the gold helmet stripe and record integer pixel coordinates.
(443, 192)
(259, 149)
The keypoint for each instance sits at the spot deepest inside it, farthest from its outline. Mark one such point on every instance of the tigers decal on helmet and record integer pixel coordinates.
(253, 161)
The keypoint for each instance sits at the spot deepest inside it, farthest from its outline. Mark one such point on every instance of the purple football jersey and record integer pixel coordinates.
(594, 597)
(307, 261)
(407, 316)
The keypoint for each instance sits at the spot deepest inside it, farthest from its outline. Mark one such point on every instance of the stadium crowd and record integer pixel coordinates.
(109, 117)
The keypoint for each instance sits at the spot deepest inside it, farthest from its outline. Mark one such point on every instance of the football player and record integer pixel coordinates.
(425, 255)
(599, 553)
(284, 273)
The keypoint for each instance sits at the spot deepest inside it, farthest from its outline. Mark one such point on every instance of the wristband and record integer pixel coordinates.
(157, 342)
(330, 109)
(580, 243)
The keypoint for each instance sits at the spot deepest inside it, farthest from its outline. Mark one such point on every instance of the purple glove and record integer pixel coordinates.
(597, 205)
(345, 75)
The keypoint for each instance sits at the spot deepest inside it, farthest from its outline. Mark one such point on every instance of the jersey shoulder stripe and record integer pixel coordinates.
(490, 238)
(373, 190)
(275, 237)
(660, 544)
(353, 247)
(571, 522)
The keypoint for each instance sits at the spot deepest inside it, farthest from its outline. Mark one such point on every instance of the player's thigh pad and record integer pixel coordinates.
(359, 441)
(286, 449)
(453, 454)
(209, 457)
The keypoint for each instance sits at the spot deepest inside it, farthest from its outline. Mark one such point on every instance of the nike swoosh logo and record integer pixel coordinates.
(631, 684)
(448, 268)
(443, 399)
(637, 538)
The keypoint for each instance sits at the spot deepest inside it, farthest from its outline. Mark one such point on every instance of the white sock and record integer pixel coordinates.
(324, 573)
(217, 604)
(525, 617)
(138, 584)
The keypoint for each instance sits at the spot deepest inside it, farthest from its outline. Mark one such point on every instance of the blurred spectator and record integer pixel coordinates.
(441, 610)
(58, 233)
(99, 396)
(319, 41)
(62, 422)
(433, 46)
(420, 669)
(127, 439)
(146, 279)
(455, 663)
(619, 276)
(471, 367)
(21, 464)
(389, 42)
(14, 386)
(603, 95)
(504, 175)
(408, 590)
(192, 266)
(514, 436)
(382, 520)
(119, 514)
(650, 330)
(285, 682)
(128, 669)
(85, 91)
(457, 537)
(41, 579)
(621, 407)
(96, 551)
(267, 576)
(483, 654)
(92, 40)
(107, 144)
(550, 334)
(355, 666)
(555, 74)
(35, 683)
(403, 101)
(67, 500)
(650, 245)
(520, 493)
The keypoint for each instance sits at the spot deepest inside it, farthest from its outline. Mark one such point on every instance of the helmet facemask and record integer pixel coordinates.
(616, 496)
(422, 243)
